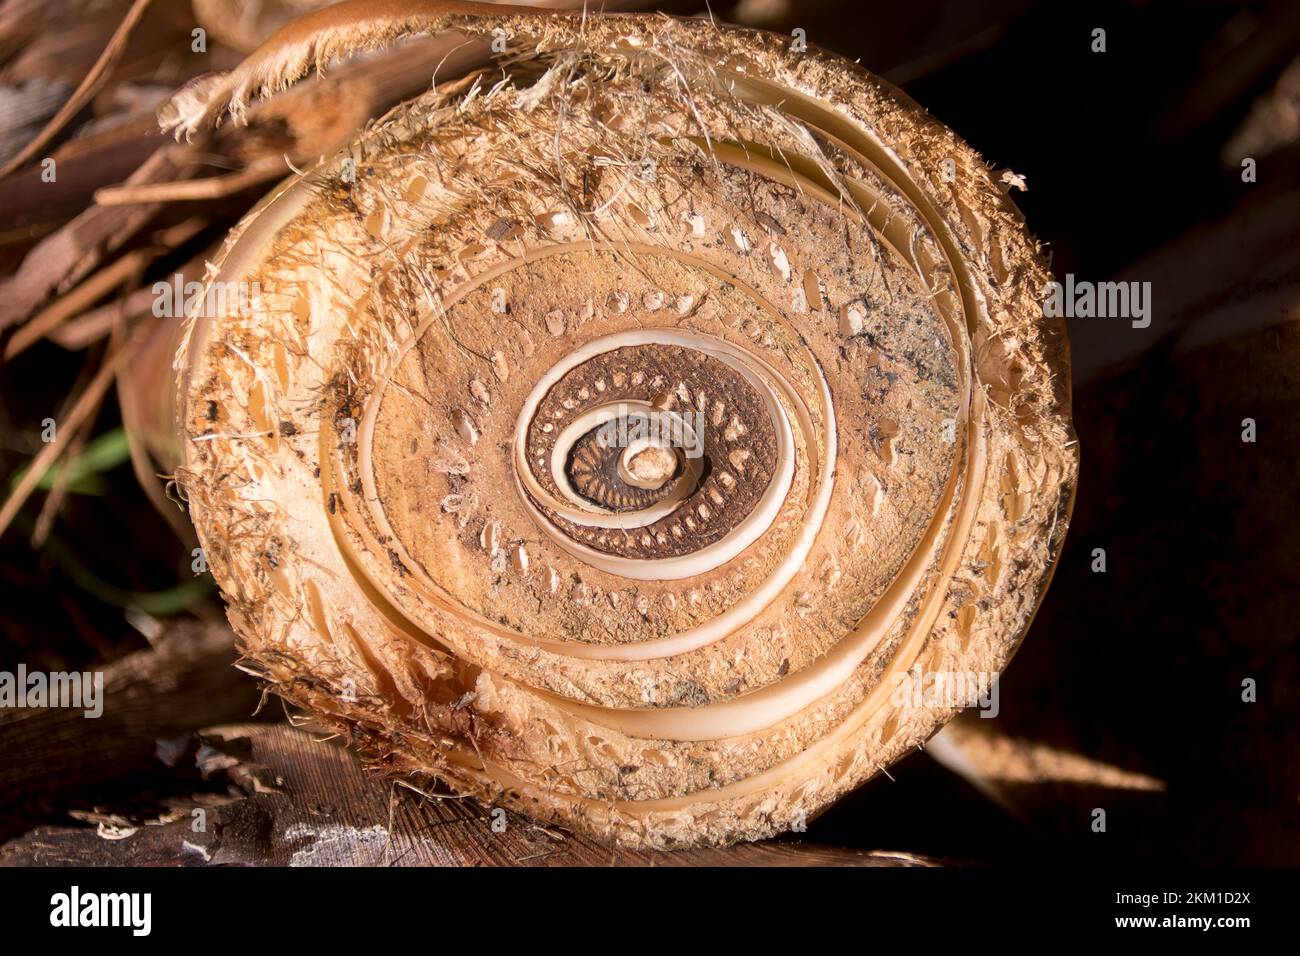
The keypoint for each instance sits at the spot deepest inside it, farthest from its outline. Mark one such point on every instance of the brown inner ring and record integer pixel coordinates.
(734, 428)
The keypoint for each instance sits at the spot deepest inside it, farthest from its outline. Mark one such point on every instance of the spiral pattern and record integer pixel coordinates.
(658, 410)
(670, 436)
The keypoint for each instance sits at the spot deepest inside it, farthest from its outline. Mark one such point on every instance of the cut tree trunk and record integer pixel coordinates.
(861, 467)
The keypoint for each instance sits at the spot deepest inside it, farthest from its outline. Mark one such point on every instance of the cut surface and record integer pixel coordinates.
(644, 442)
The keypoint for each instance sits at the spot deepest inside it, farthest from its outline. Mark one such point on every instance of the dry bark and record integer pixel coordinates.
(306, 802)
(185, 682)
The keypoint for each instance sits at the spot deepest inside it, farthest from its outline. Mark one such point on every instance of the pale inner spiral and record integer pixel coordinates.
(581, 510)
(544, 506)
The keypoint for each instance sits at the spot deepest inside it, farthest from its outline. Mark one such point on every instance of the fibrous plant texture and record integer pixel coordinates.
(611, 434)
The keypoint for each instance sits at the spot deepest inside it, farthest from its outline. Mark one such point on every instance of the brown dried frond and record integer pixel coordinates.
(311, 42)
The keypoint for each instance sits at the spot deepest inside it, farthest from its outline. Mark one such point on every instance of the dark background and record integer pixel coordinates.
(1132, 163)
